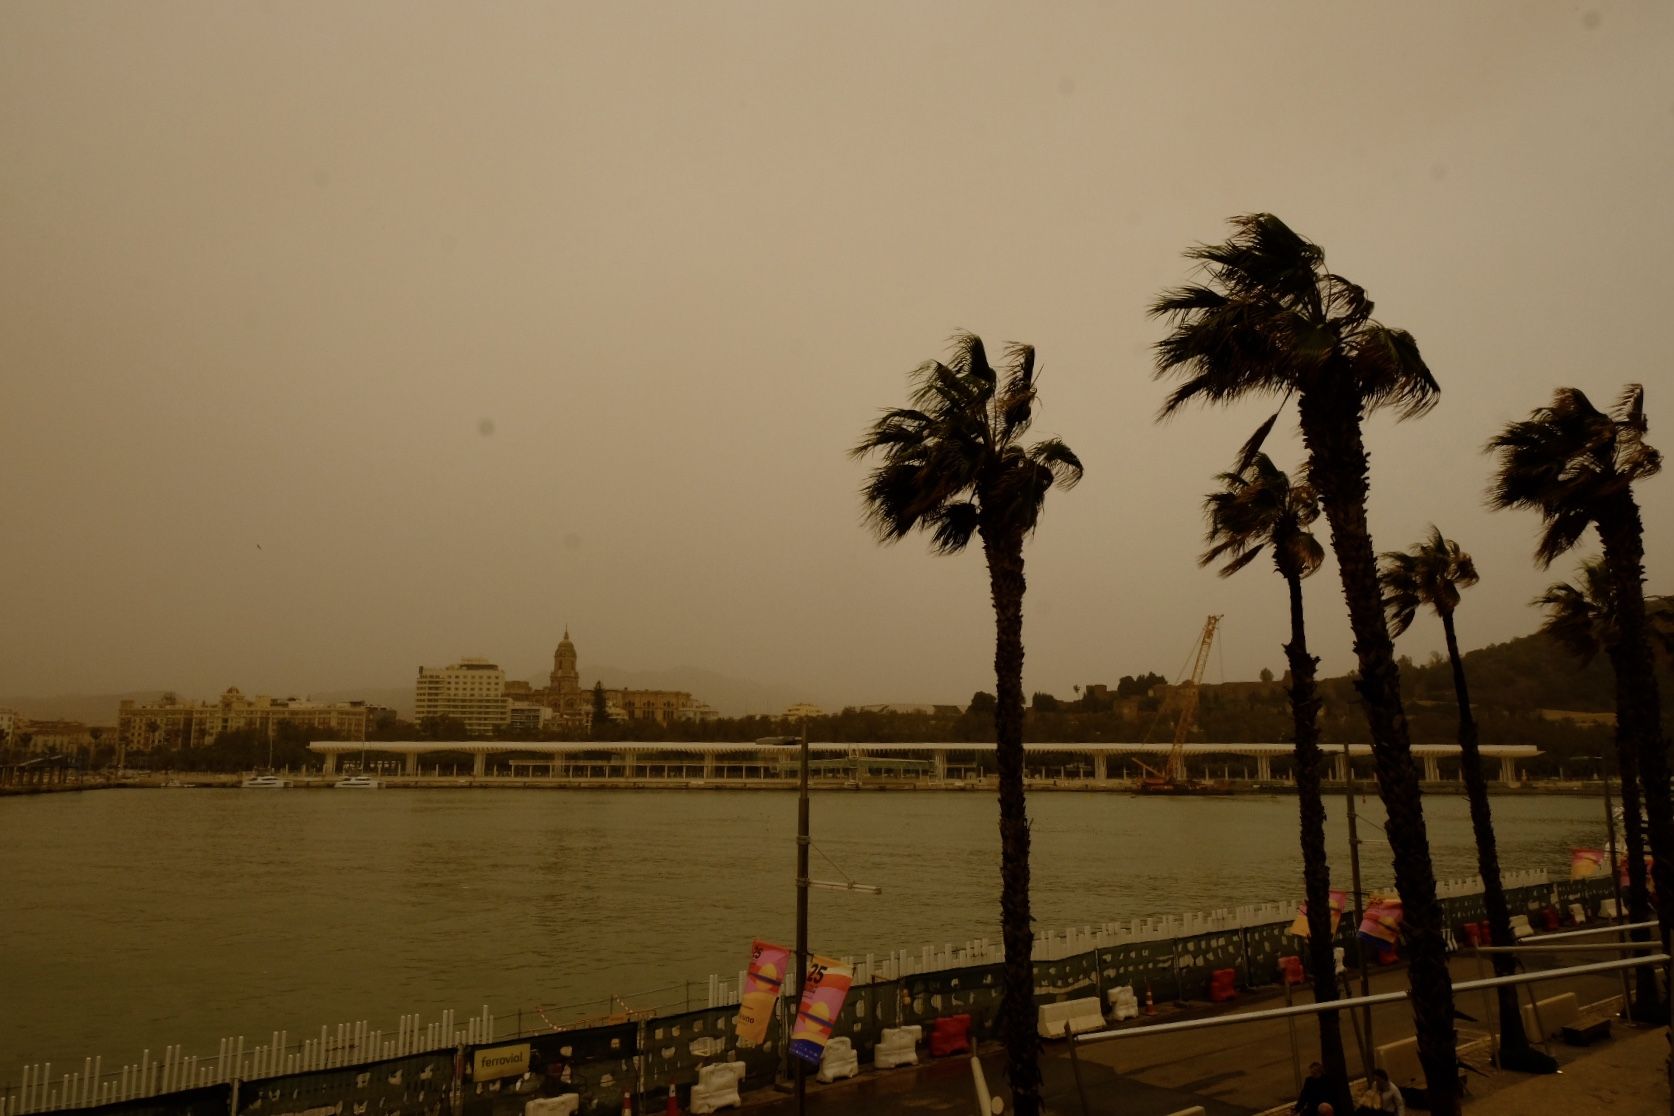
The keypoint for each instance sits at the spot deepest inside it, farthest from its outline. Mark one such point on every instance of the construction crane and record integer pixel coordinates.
(1172, 778)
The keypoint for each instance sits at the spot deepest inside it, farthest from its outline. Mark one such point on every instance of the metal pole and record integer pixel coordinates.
(801, 912)
(1295, 1057)
(1359, 913)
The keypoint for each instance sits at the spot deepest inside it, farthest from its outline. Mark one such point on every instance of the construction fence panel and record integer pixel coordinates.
(1463, 909)
(420, 1084)
(1264, 945)
(975, 991)
(1589, 893)
(599, 1063)
(210, 1100)
(1347, 939)
(1068, 978)
(1147, 966)
(1528, 900)
(1198, 956)
(866, 1012)
(676, 1046)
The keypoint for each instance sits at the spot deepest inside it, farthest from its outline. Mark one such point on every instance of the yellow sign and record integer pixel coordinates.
(501, 1061)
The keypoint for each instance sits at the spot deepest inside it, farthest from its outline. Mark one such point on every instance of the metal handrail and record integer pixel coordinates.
(1365, 1001)
(1571, 947)
(1651, 925)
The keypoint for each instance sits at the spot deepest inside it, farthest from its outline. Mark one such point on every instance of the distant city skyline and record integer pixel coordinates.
(332, 351)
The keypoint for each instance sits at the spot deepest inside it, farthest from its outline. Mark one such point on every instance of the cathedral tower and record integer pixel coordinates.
(566, 682)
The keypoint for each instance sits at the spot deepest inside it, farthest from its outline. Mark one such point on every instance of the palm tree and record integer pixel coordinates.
(1582, 618)
(1576, 466)
(1432, 573)
(1271, 320)
(953, 464)
(1258, 509)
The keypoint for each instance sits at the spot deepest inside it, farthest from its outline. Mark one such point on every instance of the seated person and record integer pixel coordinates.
(1381, 1098)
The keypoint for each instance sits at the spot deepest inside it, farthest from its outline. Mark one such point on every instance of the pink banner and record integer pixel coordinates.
(823, 993)
(1383, 919)
(766, 976)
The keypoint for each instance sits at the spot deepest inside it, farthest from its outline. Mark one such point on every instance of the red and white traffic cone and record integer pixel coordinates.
(1150, 1004)
(673, 1108)
(627, 1103)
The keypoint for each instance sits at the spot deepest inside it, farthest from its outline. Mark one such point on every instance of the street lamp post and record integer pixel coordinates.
(803, 883)
(801, 743)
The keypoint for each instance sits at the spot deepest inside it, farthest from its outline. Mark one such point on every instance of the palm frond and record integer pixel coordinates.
(1251, 449)
(950, 464)
(1017, 398)
(1581, 617)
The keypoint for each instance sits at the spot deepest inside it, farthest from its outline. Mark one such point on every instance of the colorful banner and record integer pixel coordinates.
(1339, 899)
(1587, 863)
(768, 965)
(1383, 919)
(823, 993)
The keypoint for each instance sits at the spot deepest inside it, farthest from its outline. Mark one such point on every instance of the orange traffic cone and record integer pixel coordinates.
(1150, 1004)
(673, 1108)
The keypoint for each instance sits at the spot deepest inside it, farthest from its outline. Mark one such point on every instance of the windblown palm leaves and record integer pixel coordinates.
(1570, 461)
(1270, 319)
(1577, 466)
(1259, 509)
(953, 464)
(1580, 615)
(1431, 573)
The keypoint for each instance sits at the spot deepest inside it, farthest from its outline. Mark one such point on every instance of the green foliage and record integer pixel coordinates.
(1139, 686)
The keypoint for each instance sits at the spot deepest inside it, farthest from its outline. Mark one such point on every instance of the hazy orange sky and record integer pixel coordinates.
(341, 338)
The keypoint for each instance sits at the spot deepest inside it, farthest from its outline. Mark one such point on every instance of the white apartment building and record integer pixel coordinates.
(473, 690)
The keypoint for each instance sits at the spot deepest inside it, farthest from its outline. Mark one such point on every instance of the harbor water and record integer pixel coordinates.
(139, 918)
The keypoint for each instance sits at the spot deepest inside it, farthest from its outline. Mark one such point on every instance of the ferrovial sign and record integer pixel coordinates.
(500, 1061)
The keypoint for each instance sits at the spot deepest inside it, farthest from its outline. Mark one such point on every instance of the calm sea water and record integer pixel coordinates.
(140, 918)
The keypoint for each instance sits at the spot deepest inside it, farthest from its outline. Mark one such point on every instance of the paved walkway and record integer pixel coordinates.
(1246, 1069)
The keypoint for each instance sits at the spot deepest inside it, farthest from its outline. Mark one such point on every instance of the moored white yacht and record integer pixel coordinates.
(358, 782)
(264, 782)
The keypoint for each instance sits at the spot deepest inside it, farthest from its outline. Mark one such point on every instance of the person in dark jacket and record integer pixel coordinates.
(1315, 1092)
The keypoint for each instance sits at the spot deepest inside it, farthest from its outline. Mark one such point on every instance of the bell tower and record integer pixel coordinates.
(566, 682)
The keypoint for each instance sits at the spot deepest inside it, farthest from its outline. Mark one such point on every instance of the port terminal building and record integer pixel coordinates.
(934, 764)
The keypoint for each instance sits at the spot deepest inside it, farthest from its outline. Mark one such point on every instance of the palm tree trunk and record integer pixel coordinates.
(1018, 1030)
(1638, 703)
(1316, 871)
(1647, 1001)
(1515, 1051)
(1331, 431)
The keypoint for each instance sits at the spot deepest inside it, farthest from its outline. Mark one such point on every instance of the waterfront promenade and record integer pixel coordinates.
(1247, 1069)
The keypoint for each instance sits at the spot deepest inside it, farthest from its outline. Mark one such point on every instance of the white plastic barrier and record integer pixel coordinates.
(838, 1060)
(1520, 927)
(1123, 1003)
(897, 1046)
(567, 1105)
(717, 1087)
(1078, 1016)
